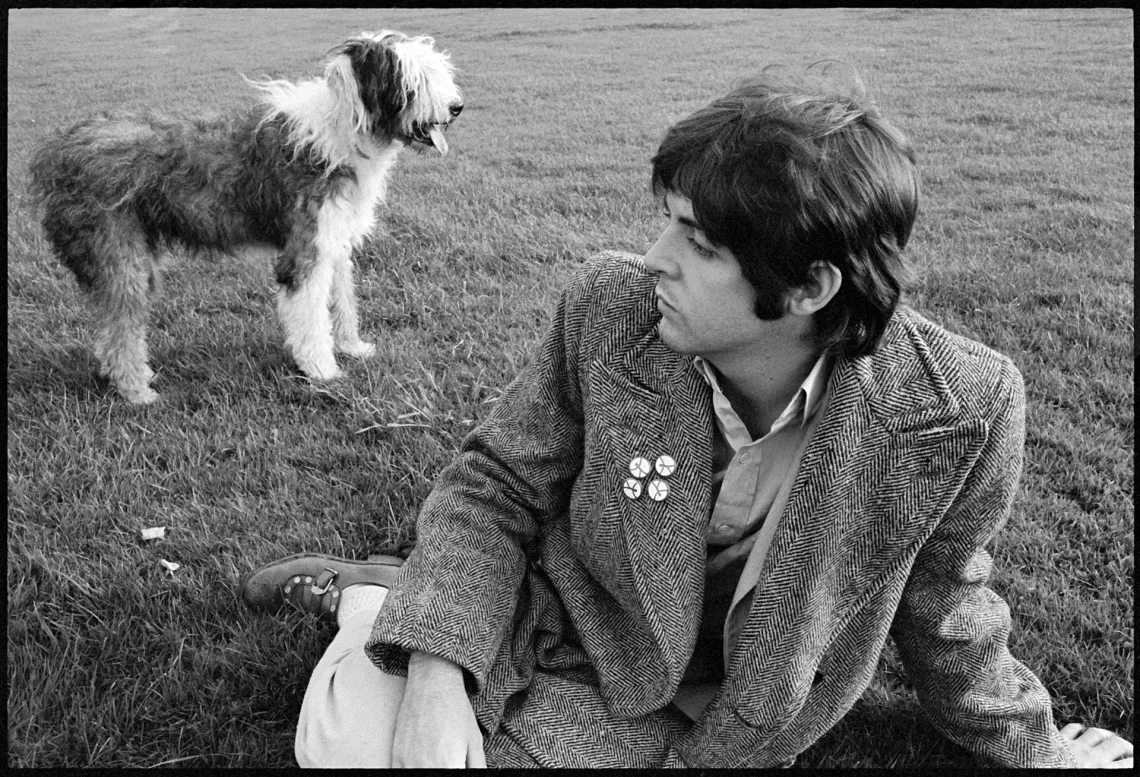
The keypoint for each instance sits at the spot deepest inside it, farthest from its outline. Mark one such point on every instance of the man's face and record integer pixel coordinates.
(705, 302)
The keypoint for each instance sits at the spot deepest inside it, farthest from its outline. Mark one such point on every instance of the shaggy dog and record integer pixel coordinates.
(301, 175)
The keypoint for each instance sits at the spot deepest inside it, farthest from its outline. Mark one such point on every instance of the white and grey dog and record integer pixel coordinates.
(301, 174)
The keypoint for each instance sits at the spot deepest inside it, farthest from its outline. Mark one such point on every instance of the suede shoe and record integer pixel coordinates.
(313, 583)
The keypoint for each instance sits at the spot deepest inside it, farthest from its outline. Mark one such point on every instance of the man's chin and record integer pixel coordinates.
(667, 335)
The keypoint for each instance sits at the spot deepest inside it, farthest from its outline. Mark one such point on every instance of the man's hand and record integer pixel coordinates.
(1096, 748)
(435, 726)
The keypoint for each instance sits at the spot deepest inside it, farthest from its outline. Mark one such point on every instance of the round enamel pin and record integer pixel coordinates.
(639, 467)
(658, 490)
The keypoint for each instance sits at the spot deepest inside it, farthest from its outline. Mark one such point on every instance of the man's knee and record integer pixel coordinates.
(348, 715)
(323, 748)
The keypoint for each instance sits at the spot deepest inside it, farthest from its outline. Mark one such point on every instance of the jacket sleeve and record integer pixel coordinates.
(457, 592)
(952, 630)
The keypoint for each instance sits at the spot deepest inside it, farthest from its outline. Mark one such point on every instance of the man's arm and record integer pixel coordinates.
(458, 591)
(435, 727)
(952, 630)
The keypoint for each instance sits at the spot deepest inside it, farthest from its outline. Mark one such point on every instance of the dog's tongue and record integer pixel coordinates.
(438, 140)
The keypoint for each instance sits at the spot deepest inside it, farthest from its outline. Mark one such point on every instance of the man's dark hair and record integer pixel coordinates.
(784, 176)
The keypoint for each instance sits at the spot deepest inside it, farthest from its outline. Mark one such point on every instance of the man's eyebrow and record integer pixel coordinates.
(684, 220)
(688, 222)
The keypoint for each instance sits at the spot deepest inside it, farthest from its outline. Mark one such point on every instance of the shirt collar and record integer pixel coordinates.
(803, 404)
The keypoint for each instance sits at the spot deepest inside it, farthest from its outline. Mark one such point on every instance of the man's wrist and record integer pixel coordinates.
(427, 666)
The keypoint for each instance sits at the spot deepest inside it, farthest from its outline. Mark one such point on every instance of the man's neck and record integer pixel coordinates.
(761, 384)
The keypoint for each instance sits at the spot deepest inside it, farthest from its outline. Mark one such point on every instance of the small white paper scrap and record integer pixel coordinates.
(171, 566)
(154, 533)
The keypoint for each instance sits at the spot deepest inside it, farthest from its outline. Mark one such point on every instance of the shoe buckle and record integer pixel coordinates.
(321, 588)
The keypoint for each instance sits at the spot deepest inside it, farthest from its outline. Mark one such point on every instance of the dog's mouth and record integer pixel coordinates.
(430, 135)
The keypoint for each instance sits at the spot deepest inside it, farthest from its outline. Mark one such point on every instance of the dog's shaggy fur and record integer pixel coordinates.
(301, 175)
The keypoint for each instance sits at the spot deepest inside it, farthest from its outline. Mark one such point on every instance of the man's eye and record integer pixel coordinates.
(701, 250)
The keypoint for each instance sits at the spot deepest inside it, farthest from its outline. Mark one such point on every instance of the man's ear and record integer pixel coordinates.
(813, 297)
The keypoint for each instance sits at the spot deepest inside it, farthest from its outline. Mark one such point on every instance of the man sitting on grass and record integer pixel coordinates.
(685, 532)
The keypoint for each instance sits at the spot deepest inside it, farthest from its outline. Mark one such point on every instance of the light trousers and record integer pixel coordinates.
(348, 715)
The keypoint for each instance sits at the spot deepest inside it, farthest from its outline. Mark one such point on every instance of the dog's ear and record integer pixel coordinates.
(380, 78)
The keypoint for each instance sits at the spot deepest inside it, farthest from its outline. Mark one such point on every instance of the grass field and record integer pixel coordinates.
(1025, 128)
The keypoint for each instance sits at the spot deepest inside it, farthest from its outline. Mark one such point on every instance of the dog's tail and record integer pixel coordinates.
(96, 160)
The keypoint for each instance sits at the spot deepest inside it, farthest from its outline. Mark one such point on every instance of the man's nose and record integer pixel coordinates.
(655, 260)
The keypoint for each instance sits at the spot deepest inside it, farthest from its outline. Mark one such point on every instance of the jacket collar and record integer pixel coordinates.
(901, 384)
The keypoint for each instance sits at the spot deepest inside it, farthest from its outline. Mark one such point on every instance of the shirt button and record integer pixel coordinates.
(724, 528)
(745, 456)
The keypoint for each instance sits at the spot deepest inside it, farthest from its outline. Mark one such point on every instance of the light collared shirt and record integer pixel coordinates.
(748, 477)
(747, 473)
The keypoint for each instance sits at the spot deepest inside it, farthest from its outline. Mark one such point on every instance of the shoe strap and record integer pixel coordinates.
(319, 596)
(324, 581)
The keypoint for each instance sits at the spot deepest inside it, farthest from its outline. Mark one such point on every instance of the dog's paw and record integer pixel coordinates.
(141, 396)
(322, 371)
(358, 350)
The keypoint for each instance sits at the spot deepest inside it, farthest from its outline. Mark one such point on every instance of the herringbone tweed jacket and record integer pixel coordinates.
(535, 572)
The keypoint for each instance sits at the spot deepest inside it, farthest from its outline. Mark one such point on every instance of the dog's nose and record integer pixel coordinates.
(456, 110)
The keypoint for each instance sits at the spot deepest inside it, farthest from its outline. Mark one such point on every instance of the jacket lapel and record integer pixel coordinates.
(886, 459)
(658, 405)
(908, 405)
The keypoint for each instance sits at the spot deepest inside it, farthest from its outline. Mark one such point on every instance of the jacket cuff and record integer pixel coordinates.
(392, 659)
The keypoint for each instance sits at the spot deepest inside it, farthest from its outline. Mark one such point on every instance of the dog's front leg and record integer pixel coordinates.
(305, 275)
(345, 321)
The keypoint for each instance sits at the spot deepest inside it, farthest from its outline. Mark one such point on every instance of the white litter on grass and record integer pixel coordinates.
(171, 566)
(155, 533)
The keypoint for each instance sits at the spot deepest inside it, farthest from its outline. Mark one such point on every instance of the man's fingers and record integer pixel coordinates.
(1114, 747)
(1071, 731)
(1094, 736)
(1098, 748)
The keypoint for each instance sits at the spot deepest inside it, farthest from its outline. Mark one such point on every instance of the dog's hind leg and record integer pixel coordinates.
(122, 296)
(345, 320)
